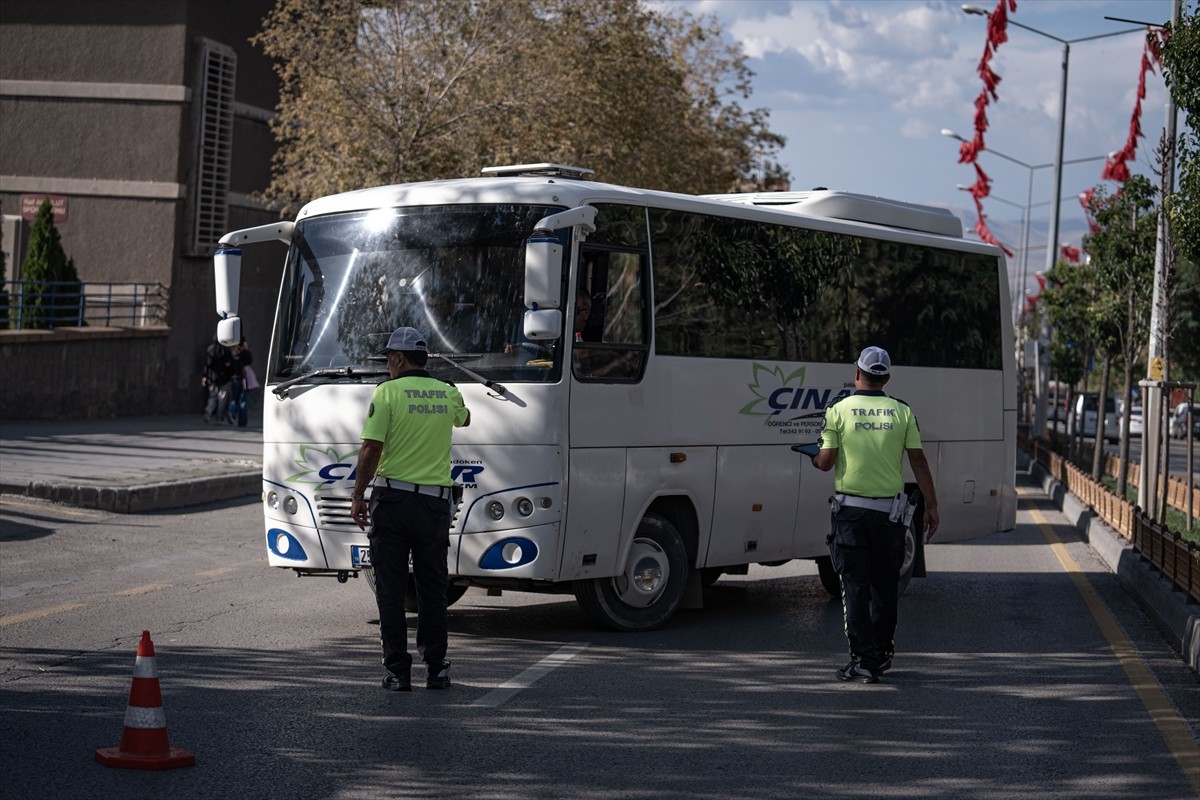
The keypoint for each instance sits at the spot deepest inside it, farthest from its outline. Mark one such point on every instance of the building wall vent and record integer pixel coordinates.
(218, 74)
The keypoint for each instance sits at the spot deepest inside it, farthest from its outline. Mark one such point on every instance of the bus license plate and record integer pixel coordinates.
(360, 556)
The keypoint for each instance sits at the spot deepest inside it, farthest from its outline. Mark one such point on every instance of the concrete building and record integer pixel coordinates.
(146, 122)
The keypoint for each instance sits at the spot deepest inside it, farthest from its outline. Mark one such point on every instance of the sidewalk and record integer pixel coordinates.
(1170, 610)
(131, 464)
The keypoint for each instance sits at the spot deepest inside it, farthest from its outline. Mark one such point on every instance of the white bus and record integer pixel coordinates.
(637, 365)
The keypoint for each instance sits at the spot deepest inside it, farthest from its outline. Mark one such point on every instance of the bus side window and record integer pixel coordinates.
(614, 344)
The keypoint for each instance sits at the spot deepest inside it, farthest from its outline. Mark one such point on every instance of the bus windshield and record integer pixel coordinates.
(455, 273)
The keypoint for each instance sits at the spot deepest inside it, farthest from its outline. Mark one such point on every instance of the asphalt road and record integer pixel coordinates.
(1008, 682)
(1177, 453)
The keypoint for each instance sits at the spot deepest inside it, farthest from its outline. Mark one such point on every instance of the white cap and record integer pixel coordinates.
(875, 361)
(407, 340)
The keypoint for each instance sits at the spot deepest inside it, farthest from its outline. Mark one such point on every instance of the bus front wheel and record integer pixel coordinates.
(651, 584)
(833, 582)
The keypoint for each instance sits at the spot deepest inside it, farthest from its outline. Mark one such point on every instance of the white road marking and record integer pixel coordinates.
(529, 677)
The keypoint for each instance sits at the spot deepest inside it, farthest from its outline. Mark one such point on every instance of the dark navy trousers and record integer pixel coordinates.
(867, 551)
(404, 524)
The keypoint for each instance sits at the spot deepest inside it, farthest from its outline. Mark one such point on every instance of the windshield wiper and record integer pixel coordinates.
(340, 372)
(497, 388)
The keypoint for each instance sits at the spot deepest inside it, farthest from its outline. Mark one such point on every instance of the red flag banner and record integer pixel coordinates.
(1115, 168)
(968, 152)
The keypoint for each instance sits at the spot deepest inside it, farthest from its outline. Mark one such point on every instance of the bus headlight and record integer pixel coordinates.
(524, 506)
(290, 505)
(495, 510)
(273, 500)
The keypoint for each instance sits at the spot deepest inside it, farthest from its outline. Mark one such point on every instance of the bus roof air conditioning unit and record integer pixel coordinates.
(538, 171)
(855, 208)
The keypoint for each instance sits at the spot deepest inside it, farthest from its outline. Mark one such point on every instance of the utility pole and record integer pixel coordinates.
(1157, 371)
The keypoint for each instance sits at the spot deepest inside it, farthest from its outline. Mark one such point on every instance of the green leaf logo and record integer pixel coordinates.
(767, 383)
(323, 466)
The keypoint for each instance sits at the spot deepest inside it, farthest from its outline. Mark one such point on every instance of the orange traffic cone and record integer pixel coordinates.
(144, 741)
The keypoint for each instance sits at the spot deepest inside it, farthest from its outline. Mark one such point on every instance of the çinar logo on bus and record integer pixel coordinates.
(786, 402)
(322, 467)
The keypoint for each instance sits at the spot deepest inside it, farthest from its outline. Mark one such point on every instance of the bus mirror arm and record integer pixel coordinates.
(275, 232)
(227, 273)
(583, 216)
(544, 255)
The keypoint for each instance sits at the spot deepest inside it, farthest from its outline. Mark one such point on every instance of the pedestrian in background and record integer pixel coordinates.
(405, 459)
(864, 440)
(217, 378)
(243, 376)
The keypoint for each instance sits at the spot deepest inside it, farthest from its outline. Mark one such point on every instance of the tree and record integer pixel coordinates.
(1181, 68)
(392, 91)
(1068, 299)
(51, 292)
(1122, 250)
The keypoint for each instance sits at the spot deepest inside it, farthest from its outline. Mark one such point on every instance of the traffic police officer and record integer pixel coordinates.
(405, 458)
(865, 437)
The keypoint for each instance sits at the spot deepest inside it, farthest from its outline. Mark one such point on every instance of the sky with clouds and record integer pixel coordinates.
(861, 89)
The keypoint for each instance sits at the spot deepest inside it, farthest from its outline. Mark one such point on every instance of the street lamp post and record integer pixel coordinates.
(1052, 249)
(1051, 246)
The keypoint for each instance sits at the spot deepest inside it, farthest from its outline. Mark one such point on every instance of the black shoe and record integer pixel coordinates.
(439, 678)
(885, 666)
(855, 671)
(397, 683)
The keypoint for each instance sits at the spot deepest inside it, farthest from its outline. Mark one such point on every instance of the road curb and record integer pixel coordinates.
(1156, 594)
(146, 497)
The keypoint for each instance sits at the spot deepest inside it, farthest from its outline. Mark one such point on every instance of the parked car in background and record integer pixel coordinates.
(1085, 416)
(1179, 420)
(1135, 421)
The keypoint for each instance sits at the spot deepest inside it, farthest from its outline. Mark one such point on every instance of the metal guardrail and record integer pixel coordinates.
(29, 305)
(1168, 552)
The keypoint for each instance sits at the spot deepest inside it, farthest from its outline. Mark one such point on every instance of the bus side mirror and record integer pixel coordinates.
(543, 271)
(227, 271)
(229, 331)
(544, 255)
(542, 324)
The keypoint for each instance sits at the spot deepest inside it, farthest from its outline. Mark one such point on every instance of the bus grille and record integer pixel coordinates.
(334, 511)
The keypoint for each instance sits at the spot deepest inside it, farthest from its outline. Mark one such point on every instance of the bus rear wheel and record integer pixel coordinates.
(649, 588)
(453, 594)
(833, 582)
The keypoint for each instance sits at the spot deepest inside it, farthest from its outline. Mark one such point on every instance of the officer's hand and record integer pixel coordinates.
(931, 522)
(360, 514)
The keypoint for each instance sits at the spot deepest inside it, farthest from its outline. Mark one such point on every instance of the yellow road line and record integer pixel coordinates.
(13, 619)
(149, 587)
(1173, 729)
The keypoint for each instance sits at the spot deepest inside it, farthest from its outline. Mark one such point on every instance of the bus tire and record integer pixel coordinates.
(833, 582)
(659, 559)
(829, 578)
(910, 553)
(453, 594)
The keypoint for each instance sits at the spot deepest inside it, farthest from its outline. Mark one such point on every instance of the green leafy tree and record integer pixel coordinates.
(1122, 250)
(1068, 302)
(1185, 321)
(51, 292)
(1181, 68)
(393, 91)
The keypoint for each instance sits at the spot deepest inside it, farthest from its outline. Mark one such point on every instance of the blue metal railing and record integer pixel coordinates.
(29, 305)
